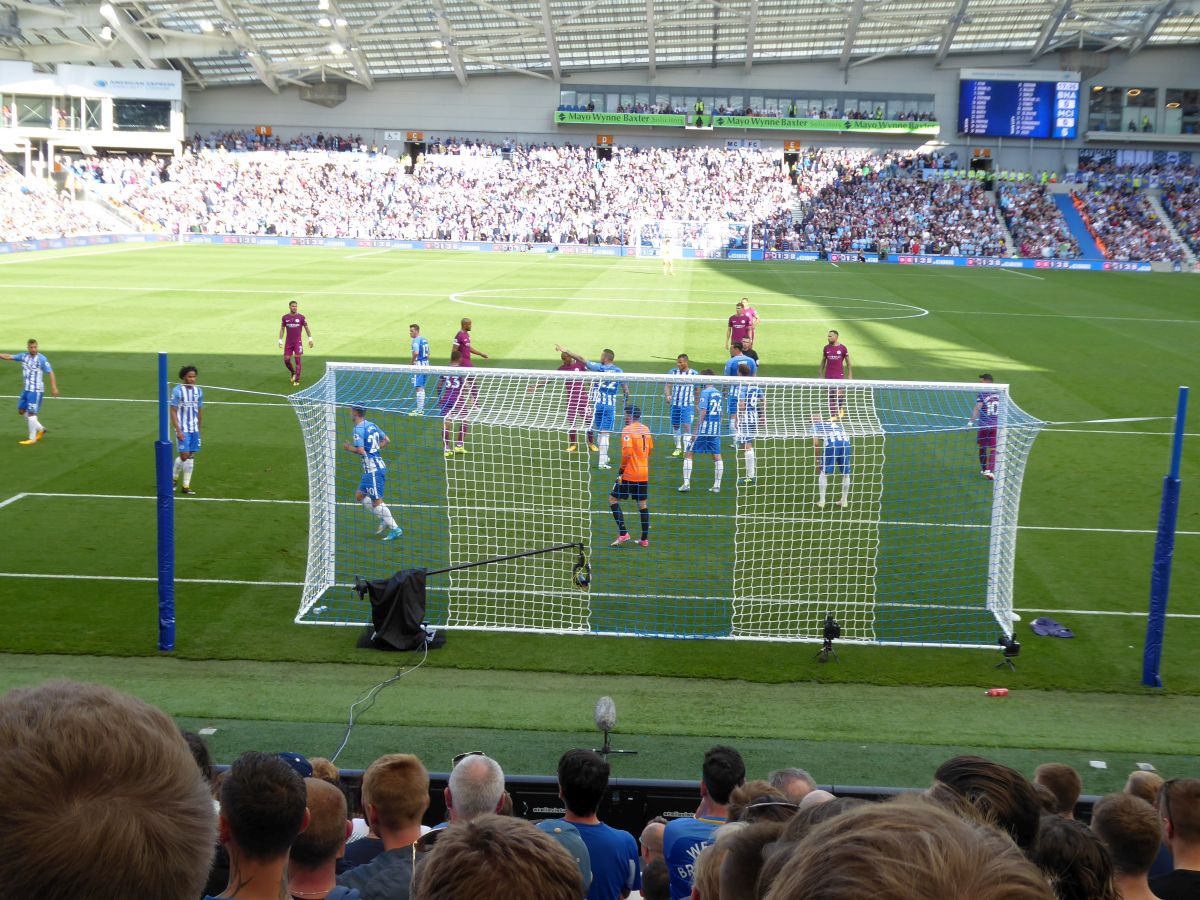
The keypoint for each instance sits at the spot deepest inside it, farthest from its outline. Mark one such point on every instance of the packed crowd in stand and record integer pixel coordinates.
(1036, 223)
(106, 797)
(1124, 225)
(32, 210)
(244, 141)
(1183, 206)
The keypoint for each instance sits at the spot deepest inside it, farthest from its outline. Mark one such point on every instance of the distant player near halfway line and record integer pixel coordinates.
(751, 414)
(420, 357)
(987, 414)
(741, 326)
(682, 398)
(292, 341)
(633, 480)
(835, 365)
(187, 409)
(368, 442)
(831, 445)
(33, 366)
(604, 399)
(708, 437)
(454, 402)
(666, 249)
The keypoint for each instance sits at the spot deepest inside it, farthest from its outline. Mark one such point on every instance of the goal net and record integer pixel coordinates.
(704, 240)
(922, 552)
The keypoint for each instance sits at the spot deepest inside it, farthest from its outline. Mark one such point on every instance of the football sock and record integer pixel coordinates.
(845, 488)
(687, 471)
(368, 505)
(645, 514)
(287, 361)
(822, 486)
(178, 468)
(188, 465)
(720, 467)
(462, 433)
(678, 437)
(751, 465)
(446, 436)
(385, 514)
(420, 398)
(299, 366)
(604, 447)
(983, 457)
(619, 516)
(34, 427)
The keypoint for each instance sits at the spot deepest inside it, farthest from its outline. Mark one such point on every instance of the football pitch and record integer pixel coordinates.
(77, 560)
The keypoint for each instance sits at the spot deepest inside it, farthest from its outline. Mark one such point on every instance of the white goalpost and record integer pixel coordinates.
(922, 552)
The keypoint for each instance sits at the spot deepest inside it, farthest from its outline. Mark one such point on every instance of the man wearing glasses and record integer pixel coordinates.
(1179, 806)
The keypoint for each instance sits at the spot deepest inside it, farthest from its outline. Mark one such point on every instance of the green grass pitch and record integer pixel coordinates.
(77, 558)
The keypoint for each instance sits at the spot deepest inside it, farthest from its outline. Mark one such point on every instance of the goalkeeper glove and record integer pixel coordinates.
(281, 342)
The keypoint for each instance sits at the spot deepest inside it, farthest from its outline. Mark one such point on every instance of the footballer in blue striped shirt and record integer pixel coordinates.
(187, 409)
(368, 442)
(33, 367)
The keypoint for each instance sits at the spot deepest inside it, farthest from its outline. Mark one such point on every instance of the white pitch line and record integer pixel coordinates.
(62, 253)
(140, 400)
(1106, 612)
(291, 291)
(144, 578)
(816, 519)
(1023, 274)
(980, 312)
(13, 499)
(368, 253)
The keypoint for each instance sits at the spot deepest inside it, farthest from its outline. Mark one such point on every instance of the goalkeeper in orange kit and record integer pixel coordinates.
(634, 476)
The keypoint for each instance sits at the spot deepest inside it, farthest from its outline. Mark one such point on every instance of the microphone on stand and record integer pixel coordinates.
(605, 717)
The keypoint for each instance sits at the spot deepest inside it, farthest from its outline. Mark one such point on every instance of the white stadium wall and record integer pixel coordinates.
(521, 107)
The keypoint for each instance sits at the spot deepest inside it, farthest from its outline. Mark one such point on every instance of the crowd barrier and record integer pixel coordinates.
(616, 250)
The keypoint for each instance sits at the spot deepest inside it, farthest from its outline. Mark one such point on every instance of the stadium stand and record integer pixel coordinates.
(1036, 224)
(33, 210)
(1183, 206)
(1124, 225)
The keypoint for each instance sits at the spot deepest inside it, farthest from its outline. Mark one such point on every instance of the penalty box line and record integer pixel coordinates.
(596, 512)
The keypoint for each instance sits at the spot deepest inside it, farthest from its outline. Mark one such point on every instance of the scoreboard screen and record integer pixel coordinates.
(1019, 109)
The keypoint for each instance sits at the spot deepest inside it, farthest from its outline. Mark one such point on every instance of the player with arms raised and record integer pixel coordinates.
(368, 442)
(987, 414)
(831, 446)
(835, 365)
(292, 340)
(33, 367)
(634, 477)
(708, 437)
(187, 409)
(420, 357)
(682, 398)
(604, 396)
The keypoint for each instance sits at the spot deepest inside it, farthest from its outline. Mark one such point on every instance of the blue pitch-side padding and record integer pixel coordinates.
(1164, 553)
(163, 463)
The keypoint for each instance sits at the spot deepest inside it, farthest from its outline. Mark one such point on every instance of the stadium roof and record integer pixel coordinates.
(279, 42)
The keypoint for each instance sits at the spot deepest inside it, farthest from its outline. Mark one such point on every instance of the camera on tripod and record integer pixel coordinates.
(831, 632)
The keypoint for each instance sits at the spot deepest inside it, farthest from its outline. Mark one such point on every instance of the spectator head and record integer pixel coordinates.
(1073, 860)
(656, 880)
(607, 356)
(722, 771)
(651, 840)
(93, 778)
(1179, 804)
(1145, 785)
(1001, 794)
(582, 780)
(476, 787)
(1064, 783)
(324, 840)
(497, 856)
(395, 792)
(199, 750)
(757, 801)
(325, 770)
(747, 851)
(1131, 830)
(794, 783)
(263, 806)
(1048, 801)
(904, 849)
